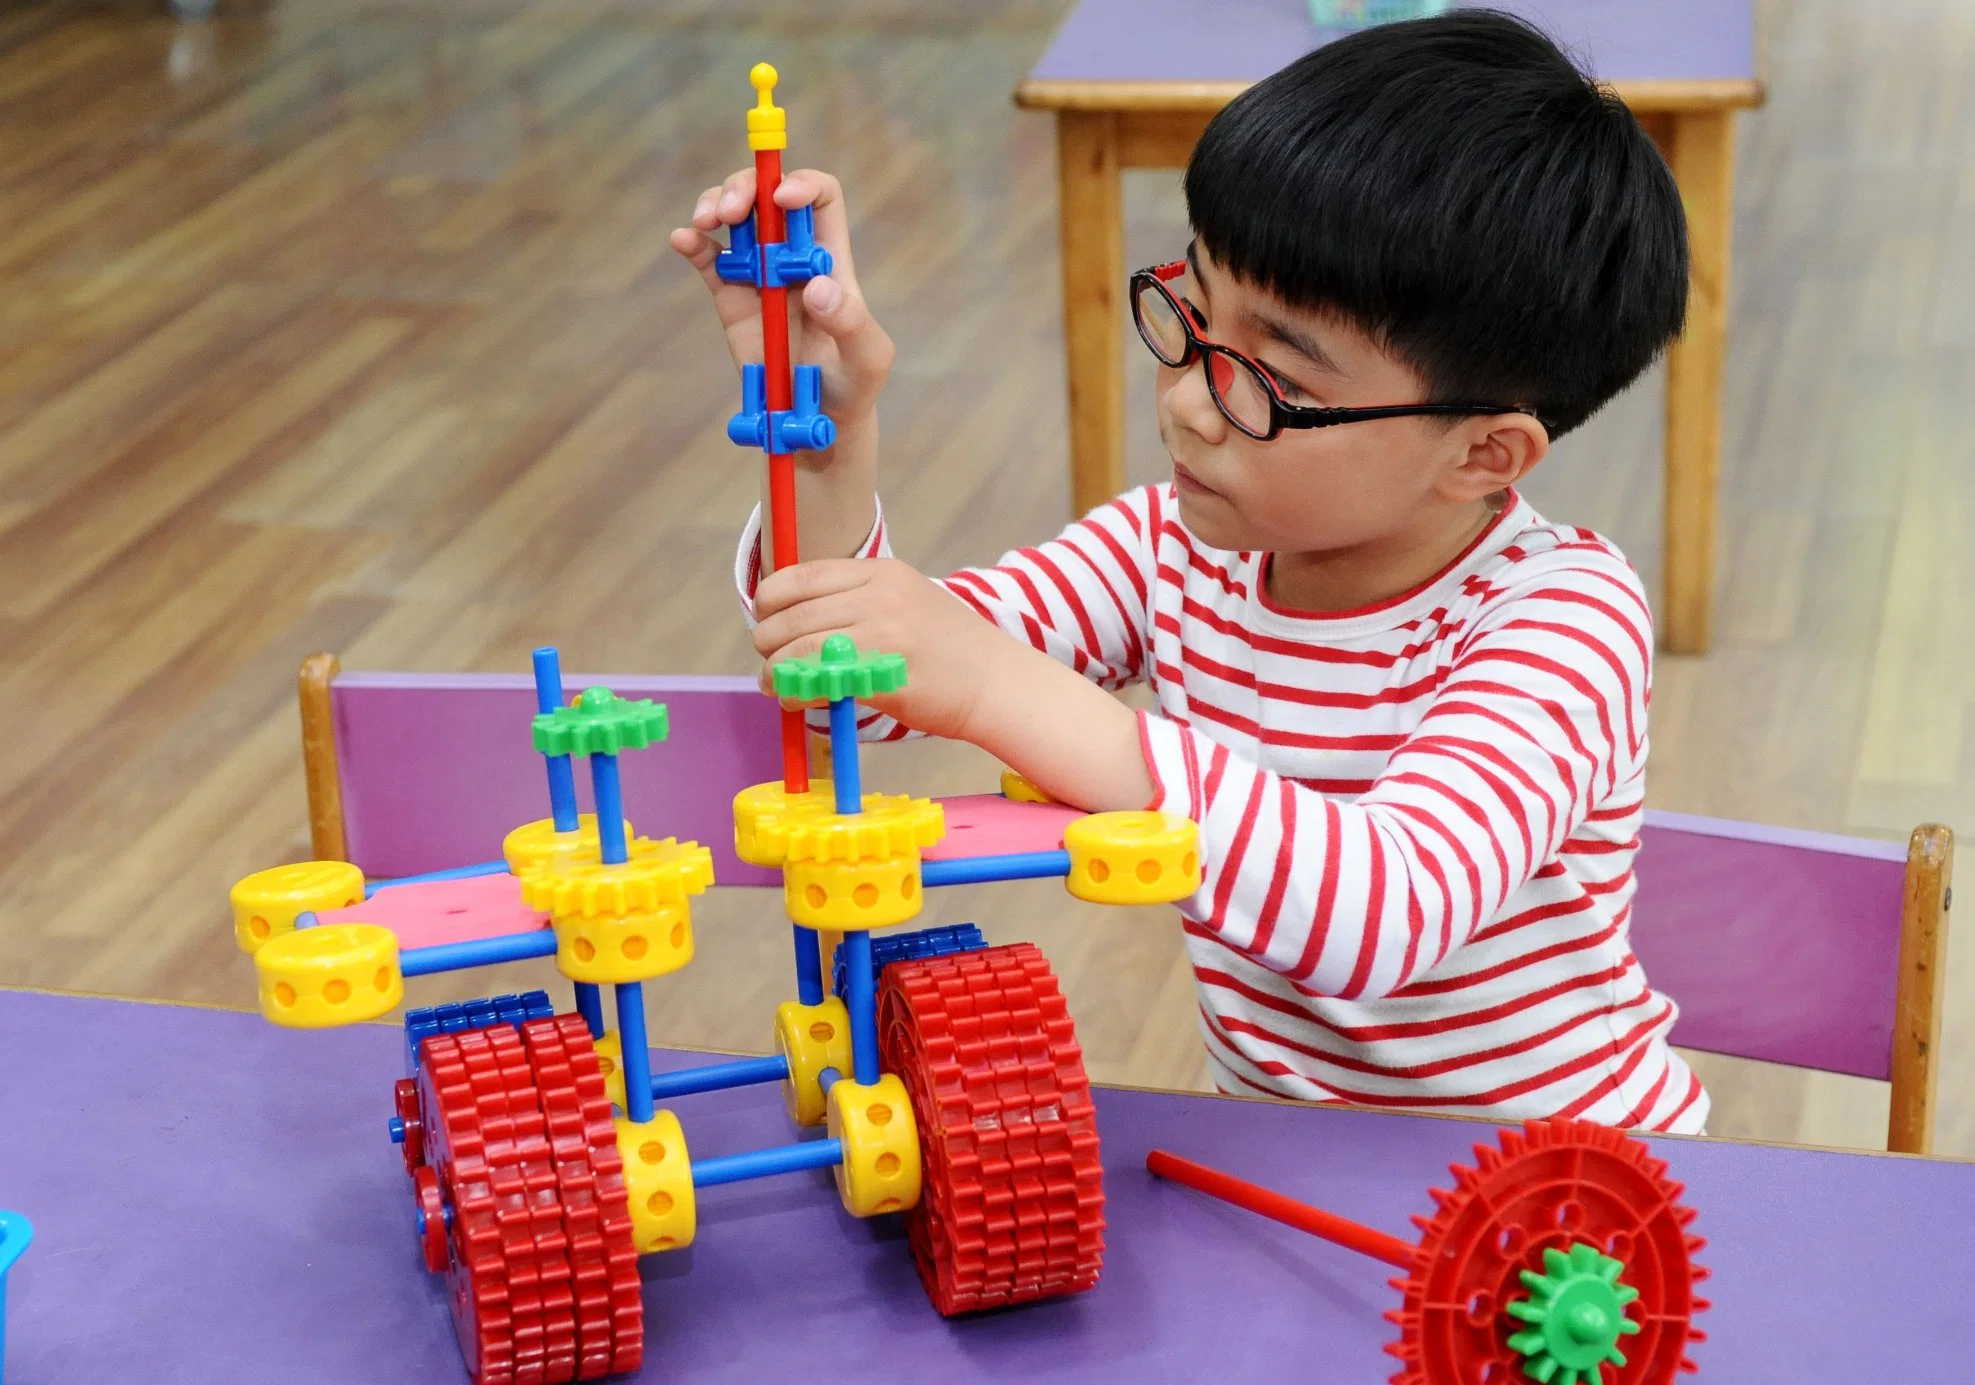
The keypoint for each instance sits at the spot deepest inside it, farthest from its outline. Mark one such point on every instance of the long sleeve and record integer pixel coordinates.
(1538, 719)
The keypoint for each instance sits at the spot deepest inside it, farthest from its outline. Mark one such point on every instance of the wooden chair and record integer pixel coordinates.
(1792, 947)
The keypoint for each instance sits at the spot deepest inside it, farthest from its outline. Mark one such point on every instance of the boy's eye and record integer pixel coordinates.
(1291, 392)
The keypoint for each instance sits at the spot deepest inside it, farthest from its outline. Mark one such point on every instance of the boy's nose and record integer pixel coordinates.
(1190, 405)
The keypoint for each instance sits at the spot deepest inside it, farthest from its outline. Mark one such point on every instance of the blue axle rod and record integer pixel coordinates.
(982, 870)
(480, 952)
(637, 1051)
(718, 1077)
(765, 1163)
(562, 775)
(456, 873)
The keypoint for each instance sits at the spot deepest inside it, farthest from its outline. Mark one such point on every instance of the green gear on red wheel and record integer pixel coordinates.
(601, 723)
(1576, 1314)
(839, 671)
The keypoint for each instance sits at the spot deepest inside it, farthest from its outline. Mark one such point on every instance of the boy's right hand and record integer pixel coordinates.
(836, 329)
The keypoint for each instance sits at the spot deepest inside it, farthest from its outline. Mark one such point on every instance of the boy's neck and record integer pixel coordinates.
(1349, 579)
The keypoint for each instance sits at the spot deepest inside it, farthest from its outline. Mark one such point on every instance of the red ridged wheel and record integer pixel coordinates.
(508, 1132)
(1553, 1184)
(1012, 1207)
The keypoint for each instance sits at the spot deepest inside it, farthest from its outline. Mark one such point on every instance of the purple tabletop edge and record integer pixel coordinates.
(1246, 40)
(216, 1203)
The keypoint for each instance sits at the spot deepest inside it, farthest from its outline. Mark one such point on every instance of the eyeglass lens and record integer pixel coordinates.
(1239, 389)
(1159, 323)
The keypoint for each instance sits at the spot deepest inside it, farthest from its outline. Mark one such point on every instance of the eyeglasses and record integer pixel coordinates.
(1242, 389)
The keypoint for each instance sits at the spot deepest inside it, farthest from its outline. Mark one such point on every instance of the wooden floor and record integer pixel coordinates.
(351, 326)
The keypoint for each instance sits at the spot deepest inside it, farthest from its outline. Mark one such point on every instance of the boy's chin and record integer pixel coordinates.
(1210, 519)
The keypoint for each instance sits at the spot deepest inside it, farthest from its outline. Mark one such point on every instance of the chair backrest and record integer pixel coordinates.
(1777, 944)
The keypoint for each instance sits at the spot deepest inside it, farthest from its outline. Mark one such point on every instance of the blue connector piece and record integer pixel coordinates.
(805, 428)
(457, 1016)
(902, 947)
(15, 1232)
(779, 265)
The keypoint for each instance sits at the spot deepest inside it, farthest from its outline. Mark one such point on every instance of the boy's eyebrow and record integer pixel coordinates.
(1302, 343)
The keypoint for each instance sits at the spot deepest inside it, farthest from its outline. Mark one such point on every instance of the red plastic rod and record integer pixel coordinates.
(772, 229)
(1349, 1234)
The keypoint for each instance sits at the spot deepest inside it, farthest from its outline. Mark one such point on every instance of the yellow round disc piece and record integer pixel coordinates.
(1133, 858)
(762, 802)
(624, 947)
(658, 1177)
(659, 875)
(267, 902)
(853, 894)
(329, 975)
(538, 846)
(1018, 788)
(812, 1038)
(880, 1168)
(890, 825)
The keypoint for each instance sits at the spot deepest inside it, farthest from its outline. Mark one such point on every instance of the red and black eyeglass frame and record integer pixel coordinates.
(1282, 415)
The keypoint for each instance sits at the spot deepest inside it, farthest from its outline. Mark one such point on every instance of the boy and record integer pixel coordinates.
(1407, 712)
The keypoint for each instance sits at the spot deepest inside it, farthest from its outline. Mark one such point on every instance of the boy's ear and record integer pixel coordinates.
(1499, 451)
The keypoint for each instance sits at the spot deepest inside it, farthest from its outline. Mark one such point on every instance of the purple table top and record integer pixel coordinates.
(1245, 40)
(215, 1202)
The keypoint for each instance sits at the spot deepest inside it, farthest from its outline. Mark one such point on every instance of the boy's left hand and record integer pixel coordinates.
(951, 654)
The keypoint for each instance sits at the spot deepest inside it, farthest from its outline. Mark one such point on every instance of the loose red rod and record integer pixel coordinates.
(1338, 1230)
(771, 229)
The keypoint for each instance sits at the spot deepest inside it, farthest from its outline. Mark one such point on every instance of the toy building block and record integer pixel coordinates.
(337, 974)
(267, 903)
(880, 1169)
(15, 1233)
(658, 1182)
(1133, 858)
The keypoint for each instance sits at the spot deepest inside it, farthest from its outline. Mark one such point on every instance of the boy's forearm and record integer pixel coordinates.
(1070, 738)
(836, 501)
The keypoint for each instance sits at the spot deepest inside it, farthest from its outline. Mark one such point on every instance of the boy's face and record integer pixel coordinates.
(1309, 490)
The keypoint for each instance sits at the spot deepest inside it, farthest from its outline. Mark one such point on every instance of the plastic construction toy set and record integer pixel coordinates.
(939, 1078)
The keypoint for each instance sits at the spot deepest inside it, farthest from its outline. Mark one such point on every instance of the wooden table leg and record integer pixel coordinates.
(1090, 200)
(1700, 147)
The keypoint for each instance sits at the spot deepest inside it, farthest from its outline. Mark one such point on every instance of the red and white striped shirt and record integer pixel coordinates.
(1417, 819)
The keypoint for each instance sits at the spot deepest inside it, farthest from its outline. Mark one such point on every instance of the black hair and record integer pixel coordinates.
(1456, 188)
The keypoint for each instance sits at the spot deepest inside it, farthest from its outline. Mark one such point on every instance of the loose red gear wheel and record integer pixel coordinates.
(1551, 1185)
(405, 1098)
(1012, 1207)
(431, 1218)
(519, 1137)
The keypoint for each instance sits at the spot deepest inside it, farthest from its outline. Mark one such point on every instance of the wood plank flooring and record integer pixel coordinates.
(350, 325)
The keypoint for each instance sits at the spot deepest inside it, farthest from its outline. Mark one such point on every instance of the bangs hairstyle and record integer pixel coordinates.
(1458, 190)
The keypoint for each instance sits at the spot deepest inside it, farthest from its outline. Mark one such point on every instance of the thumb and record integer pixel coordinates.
(862, 345)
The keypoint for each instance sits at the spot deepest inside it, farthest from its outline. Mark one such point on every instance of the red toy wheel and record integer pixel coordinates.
(1551, 1186)
(405, 1097)
(1012, 1207)
(431, 1218)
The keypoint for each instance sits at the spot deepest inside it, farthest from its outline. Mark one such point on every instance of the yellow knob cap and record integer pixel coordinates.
(767, 125)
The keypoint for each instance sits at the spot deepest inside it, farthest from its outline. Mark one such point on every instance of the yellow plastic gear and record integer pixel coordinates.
(890, 825)
(853, 894)
(1019, 788)
(880, 1168)
(267, 902)
(610, 1062)
(329, 975)
(658, 1177)
(660, 874)
(1133, 858)
(760, 802)
(624, 947)
(537, 845)
(811, 1038)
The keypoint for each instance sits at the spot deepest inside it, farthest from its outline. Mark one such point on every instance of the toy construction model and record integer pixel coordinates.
(1562, 1257)
(945, 1073)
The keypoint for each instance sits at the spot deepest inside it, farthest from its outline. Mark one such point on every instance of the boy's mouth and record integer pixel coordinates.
(1187, 483)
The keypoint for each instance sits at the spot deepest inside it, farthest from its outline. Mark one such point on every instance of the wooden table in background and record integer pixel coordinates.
(1134, 82)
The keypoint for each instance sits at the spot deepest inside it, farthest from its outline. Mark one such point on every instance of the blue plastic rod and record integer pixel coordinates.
(981, 870)
(456, 873)
(610, 809)
(589, 1004)
(827, 1079)
(808, 966)
(562, 775)
(718, 1077)
(637, 1053)
(765, 1163)
(844, 770)
(862, 1002)
(480, 952)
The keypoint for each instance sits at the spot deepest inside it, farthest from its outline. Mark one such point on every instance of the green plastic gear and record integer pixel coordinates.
(840, 671)
(1576, 1315)
(601, 723)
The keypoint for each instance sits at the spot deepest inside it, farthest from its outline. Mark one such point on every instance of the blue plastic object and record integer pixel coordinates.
(861, 982)
(777, 265)
(637, 1051)
(456, 873)
(562, 775)
(610, 809)
(478, 952)
(808, 966)
(15, 1233)
(718, 1077)
(803, 428)
(982, 870)
(765, 1163)
(589, 1004)
(901, 947)
(457, 1016)
(847, 775)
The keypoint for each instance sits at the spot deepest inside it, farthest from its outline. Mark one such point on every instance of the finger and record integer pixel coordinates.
(736, 304)
(792, 586)
(736, 197)
(809, 187)
(801, 630)
(863, 346)
(703, 217)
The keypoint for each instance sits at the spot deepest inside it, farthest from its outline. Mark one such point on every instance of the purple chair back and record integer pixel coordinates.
(1776, 944)
(437, 768)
